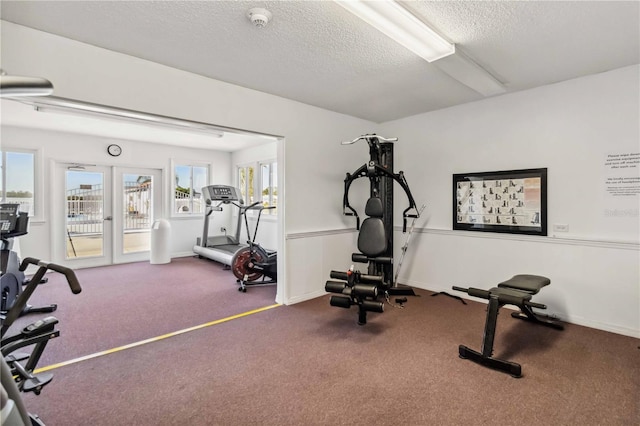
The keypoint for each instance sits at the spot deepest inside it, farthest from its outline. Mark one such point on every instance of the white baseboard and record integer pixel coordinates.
(183, 254)
(304, 297)
(563, 316)
(612, 328)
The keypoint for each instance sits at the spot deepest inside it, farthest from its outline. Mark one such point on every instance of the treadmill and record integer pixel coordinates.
(220, 248)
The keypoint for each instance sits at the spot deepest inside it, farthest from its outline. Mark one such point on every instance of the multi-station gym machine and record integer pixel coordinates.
(375, 237)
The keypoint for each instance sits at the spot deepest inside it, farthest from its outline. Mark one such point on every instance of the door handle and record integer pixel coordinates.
(108, 218)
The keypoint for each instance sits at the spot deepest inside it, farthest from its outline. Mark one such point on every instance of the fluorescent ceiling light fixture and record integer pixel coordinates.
(53, 104)
(402, 26)
(392, 19)
(80, 108)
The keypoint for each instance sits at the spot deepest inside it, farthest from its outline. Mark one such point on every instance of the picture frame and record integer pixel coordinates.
(511, 201)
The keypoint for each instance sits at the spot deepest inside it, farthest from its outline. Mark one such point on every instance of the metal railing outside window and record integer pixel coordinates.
(84, 209)
(85, 213)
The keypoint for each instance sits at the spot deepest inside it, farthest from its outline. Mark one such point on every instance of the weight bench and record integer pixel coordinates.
(517, 291)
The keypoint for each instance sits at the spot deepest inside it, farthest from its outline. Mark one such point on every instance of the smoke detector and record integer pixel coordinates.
(259, 17)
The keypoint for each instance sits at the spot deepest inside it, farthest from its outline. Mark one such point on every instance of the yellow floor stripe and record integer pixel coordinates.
(153, 339)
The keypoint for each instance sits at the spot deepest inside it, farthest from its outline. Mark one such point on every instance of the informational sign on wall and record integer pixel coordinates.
(513, 201)
(622, 184)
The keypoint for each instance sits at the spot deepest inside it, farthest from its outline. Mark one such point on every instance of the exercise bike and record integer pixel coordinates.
(254, 262)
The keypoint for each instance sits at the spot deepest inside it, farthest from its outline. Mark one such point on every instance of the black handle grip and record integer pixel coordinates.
(252, 205)
(478, 292)
(74, 284)
(475, 292)
(29, 261)
(535, 305)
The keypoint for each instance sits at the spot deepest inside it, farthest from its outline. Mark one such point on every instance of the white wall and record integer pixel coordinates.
(68, 147)
(567, 127)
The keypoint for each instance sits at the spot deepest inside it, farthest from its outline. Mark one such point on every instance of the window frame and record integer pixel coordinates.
(38, 192)
(172, 197)
(273, 183)
(244, 191)
(257, 184)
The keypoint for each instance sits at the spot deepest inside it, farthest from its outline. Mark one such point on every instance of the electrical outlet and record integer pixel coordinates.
(561, 227)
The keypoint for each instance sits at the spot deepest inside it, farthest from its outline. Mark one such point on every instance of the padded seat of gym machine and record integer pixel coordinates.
(524, 283)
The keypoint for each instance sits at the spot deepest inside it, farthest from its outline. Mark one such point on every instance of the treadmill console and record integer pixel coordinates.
(221, 193)
(13, 222)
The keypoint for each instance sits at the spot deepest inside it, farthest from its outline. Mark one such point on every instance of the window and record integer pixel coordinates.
(269, 185)
(189, 180)
(246, 183)
(259, 187)
(17, 180)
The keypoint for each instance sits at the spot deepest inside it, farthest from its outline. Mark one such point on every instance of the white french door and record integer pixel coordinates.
(137, 203)
(103, 215)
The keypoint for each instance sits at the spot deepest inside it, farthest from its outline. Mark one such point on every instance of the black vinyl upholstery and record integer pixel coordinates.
(372, 240)
(373, 208)
(529, 283)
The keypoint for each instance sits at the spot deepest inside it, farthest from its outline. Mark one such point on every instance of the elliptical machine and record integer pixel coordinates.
(253, 261)
(18, 368)
(13, 223)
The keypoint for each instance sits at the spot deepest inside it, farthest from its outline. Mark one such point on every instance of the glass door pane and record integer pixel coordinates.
(138, 202)
(137, 214)
(84, 210)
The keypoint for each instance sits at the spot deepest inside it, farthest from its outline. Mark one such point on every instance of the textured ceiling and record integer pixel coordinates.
(317, 53)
